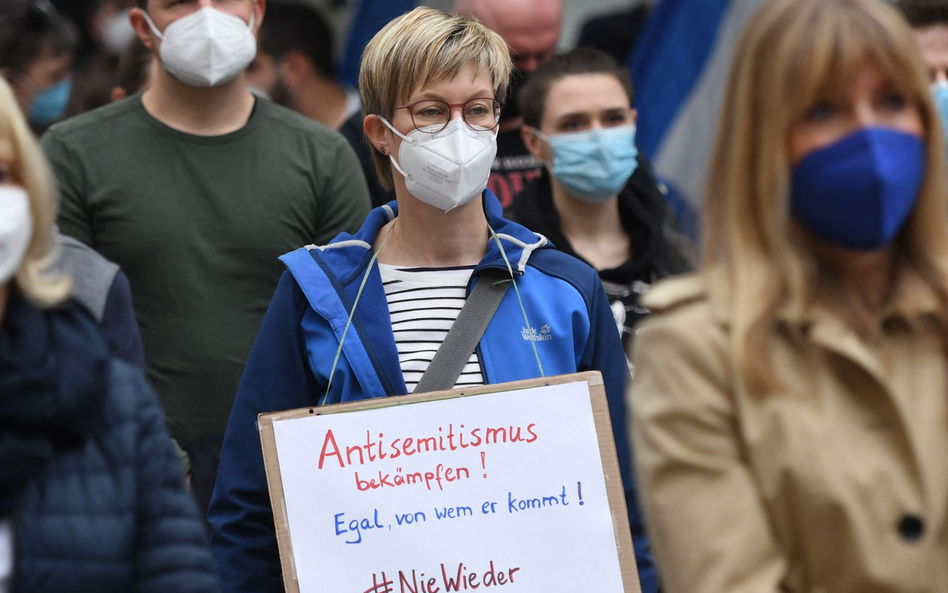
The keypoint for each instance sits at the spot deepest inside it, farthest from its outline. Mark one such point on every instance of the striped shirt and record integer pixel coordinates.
(424, 303)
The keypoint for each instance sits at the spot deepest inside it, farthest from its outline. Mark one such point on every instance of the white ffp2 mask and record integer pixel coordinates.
(447, 169)
(207, 48)
(16, 229)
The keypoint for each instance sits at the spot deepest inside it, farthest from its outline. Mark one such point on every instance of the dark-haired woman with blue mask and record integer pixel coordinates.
(596, 198)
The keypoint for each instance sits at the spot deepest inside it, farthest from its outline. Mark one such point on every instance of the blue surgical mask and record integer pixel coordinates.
(595, 165)
(940, 97)
(49, 105)
(858, 192)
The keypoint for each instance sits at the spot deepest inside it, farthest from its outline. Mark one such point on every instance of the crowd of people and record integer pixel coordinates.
(200, 222)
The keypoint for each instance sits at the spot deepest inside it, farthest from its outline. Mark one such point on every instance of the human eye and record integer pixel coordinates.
(432, 110)
(615, 119)
(573, 124)
(820, 112)
(478, 110)
(894, 101)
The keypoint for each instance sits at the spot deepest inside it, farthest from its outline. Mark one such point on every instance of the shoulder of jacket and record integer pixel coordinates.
(551, 261)
(556, 264)
(673, 293)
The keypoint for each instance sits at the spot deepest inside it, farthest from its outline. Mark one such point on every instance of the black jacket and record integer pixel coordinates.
(89, 476)
(658, 248)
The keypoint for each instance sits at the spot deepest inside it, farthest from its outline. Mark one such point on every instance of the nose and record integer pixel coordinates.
(867, 114)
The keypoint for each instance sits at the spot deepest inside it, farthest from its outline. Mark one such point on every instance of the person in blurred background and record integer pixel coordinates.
(136, 69)
(929, 20)
(92, 84)
(109, 25)
(194, 188)
(99, 285)
(596, 198)
(91, 497)
(615, 32)
(37, 48)
(295, 65)
(103, 288)
(531, 29)
(789, 397)
(107, 78)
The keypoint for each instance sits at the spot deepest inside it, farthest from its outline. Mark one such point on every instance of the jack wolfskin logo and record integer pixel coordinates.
(530, 334)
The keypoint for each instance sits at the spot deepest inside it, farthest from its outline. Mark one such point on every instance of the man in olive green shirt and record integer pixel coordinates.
(195, 191)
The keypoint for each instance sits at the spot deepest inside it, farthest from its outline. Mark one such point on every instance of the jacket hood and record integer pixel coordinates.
(348, 253)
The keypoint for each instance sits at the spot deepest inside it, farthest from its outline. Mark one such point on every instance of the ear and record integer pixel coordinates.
(377, 134)
(137, 17)
(117, 94)
(635, 117)
(260, 9)
(295, 68)
(537, 147)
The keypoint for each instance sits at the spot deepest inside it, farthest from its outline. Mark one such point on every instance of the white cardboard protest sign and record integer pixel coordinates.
(506, 487)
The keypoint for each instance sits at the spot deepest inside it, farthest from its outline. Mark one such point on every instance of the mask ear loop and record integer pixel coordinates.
(519, 300)
(345, 332)
(543, 138)
(151, 25)
(404, 138)
(159, 35)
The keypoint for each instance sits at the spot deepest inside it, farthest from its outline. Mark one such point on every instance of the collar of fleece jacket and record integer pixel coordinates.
(349, 254)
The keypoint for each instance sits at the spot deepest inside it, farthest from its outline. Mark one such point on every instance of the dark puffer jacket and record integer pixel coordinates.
(92, 482)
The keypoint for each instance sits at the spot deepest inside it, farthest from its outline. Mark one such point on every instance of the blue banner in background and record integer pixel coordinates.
(680, 66)
(369, 18)
(667, 61)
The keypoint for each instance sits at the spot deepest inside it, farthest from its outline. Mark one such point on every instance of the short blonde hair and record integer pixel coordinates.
(794, 54)
(29, 169)
(417, 48)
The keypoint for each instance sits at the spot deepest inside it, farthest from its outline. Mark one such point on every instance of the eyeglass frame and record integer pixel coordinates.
(411, 113)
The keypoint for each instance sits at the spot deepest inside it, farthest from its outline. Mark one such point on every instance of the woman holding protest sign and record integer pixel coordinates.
(91, 493)
(365, 316)
(789, 397)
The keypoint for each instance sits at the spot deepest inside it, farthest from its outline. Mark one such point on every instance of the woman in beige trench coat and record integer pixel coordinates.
(790, 401)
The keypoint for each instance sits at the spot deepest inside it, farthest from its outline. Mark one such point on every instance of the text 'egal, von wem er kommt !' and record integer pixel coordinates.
(354, 529)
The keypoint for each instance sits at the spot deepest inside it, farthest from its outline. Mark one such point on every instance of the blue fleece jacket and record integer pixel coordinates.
(291, 360)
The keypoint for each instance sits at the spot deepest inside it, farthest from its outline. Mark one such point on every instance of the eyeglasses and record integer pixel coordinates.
(431, 116)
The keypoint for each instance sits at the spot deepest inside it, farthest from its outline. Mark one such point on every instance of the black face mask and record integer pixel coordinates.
(512, 106)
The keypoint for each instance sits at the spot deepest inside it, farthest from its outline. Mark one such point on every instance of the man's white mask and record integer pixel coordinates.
(207, 48)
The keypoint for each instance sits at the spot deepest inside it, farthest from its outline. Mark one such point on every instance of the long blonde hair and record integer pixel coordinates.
(792, 54)
(29, 169)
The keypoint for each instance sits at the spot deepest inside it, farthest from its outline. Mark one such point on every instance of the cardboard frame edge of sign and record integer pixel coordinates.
(607, 455)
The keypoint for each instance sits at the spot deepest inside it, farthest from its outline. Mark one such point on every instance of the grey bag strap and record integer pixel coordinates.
(472, 321)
